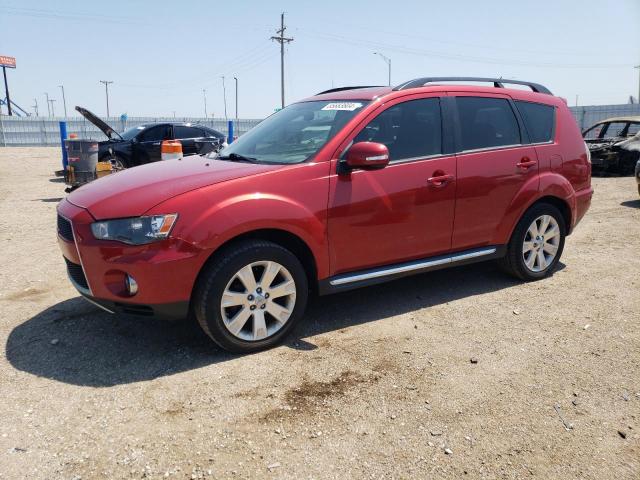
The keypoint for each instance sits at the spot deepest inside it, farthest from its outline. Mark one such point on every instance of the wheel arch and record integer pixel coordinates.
(284, 238)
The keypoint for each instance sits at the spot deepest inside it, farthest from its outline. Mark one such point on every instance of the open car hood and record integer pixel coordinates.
(93, 118)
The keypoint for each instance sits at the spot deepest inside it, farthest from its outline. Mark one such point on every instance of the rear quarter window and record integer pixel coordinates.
(539, 120)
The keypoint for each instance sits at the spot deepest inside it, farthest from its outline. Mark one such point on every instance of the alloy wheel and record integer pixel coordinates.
(541, 243)
(258, 300)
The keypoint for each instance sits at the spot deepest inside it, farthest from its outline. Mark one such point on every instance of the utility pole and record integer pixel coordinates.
(48, 105)
(64, 101)
(387, 60)
(224, 96)
(35, 106)
(204, 96)
(106, 90)
(281, 39)
(236, 80)
(53, 112)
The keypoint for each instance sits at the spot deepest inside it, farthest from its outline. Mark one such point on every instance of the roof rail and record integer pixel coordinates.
(340, 89)
(497, 82)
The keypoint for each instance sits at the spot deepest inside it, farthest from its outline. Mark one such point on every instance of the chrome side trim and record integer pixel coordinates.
(98, 305)
(386, 271)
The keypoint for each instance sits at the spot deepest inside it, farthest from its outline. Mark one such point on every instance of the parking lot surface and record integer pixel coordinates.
(464, 371)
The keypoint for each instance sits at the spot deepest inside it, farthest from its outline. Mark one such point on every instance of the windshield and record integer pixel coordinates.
(295, 133)
(132, 132)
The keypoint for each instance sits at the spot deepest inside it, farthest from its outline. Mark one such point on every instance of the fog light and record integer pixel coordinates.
(131, 285)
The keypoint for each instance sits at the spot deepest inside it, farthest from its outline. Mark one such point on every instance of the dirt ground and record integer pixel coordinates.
(377, 383)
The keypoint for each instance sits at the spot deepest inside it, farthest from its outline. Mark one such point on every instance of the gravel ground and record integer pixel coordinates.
(456, 372)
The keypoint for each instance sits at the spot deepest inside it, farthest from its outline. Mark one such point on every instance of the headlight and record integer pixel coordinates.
(135, 231)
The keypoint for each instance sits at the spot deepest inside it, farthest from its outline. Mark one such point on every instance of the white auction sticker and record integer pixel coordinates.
(348, 106)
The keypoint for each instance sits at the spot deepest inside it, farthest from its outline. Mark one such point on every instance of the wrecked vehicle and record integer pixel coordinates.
(614, 144)
(142, 144)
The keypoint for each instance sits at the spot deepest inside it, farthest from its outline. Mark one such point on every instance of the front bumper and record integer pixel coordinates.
(164, 271)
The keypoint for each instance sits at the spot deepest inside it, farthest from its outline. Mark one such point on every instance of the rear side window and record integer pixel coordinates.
(411, 129)
(538, 119)
(155, 134)
(487, 123)
(180, 131)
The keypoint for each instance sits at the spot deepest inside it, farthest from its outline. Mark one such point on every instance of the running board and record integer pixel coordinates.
(348, 281)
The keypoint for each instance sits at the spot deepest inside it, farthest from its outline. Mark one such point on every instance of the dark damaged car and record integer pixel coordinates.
(142, 144)
(614, 144)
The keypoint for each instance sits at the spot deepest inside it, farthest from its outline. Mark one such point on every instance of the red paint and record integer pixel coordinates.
(349, 222)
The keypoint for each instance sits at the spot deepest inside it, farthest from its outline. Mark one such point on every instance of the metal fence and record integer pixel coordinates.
(588, 115)
(41, 131)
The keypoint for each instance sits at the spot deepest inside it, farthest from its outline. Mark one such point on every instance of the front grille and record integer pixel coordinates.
(64, 228)
(77, 274)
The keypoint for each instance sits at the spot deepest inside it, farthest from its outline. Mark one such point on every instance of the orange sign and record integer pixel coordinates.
(9, 62)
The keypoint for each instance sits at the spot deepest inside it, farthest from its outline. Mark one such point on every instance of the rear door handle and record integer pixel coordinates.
(526, 163)
(439, 180)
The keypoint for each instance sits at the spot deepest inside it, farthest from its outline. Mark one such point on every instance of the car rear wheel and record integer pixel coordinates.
(252, 296)
(536, 244)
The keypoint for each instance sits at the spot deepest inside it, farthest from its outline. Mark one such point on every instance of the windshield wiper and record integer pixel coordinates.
(236, 157)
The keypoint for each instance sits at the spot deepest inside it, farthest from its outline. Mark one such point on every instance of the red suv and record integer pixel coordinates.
(351, 187)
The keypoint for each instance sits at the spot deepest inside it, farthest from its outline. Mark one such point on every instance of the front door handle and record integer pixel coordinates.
(439, 180)
(526, 163)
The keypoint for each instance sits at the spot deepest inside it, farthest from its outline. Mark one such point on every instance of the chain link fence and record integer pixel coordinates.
(42, 131)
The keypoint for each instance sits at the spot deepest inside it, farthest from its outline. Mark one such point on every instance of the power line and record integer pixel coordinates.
(369, 44)
(281, 39)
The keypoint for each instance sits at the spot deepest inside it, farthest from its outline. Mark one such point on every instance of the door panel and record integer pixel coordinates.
(149, 145)
(488, 182)
(493, 168)
(404, 211)
(390, 215)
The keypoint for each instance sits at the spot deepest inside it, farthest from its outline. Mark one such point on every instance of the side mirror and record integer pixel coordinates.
(367, 156)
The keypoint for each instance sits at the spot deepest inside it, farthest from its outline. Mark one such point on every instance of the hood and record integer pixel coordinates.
(106, 129)
(132, 192)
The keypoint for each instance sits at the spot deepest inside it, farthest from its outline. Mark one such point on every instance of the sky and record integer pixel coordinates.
(161, 55)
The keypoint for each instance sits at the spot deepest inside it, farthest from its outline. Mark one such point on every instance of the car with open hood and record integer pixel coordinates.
(614, 144)
(142, 144)
(350, 187)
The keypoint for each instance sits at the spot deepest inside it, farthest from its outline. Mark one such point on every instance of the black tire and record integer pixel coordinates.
(221, 270)
(513, 262)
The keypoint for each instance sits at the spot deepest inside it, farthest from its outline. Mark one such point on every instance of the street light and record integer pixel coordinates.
(387, 60)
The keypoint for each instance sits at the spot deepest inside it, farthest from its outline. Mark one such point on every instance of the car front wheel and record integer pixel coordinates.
(536, 244)
(251, 296)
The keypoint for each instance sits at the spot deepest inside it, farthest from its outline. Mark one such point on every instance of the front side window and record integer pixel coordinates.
(594, 132)
(295, 133)
(487, 123)
(538, 119)
(411, 129)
